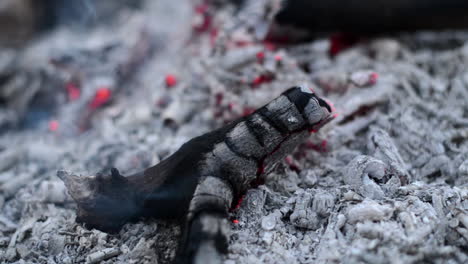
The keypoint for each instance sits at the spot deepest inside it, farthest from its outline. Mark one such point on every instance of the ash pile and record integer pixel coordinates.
(126, 84)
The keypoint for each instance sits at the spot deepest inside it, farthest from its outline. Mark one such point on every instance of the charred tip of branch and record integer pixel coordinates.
(78, 186)
(104, 201)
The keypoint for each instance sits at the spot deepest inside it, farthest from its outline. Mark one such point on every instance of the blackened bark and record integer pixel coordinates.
(200, 181)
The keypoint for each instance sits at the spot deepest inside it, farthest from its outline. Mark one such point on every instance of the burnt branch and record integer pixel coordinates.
(201, 180)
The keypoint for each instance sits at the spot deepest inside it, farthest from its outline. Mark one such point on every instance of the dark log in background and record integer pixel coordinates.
(126, 83)
(374, 16)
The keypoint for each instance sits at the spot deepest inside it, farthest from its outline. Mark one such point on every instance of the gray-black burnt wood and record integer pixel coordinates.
(202, 180)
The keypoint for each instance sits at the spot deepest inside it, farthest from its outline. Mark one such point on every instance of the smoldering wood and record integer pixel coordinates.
(423, 113)
(204, 177)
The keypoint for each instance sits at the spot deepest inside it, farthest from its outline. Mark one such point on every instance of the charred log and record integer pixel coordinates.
(374, 16)
(201, 180)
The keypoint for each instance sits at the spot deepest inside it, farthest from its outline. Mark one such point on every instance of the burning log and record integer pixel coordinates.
(204, 178)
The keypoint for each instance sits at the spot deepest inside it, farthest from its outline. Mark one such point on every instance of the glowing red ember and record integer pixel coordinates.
(373, 78)
(239, 202)
(53, 125)
(101, 97)
(171, 80)
(261, 79)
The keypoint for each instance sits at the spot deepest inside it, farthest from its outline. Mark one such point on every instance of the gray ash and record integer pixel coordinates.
(387, 185)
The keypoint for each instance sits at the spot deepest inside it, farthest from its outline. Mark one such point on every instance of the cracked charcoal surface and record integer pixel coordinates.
(385, 182)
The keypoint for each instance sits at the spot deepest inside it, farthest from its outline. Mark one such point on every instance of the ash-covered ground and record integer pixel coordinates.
(385, 182)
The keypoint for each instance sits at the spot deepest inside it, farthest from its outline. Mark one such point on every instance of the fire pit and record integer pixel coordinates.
(125, 85)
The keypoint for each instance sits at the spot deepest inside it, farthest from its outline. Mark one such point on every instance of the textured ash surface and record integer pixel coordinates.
(386, 182)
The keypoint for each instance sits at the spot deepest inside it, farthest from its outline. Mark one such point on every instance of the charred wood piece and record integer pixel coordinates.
(202, 180)
(373, 16)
